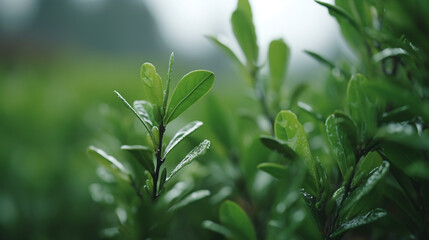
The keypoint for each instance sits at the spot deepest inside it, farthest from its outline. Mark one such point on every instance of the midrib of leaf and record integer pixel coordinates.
(186, 97)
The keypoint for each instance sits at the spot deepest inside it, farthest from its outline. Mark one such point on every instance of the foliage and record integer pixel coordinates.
(360, 171)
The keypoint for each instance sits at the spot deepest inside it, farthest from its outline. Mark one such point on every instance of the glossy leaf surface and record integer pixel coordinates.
(181, 134)
(152, 84)
(235, 219)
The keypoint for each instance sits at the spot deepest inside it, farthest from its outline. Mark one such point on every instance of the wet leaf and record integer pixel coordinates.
(235, 219)
(143, 155)
(181, 134)
(109, 162)
(152, 84)
(274, 169)
(370, 217)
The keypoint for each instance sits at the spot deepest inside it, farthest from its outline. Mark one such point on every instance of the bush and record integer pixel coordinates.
(353, 165)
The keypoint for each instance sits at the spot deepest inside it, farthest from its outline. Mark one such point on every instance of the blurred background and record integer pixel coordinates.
(60, 62)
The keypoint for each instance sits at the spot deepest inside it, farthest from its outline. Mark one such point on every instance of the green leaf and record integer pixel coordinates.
(370, 217)
(388, 53)
(244, 32)
(364, 189)
(109, 162)
(274, 169)
(167, 89)
(341, 146)
(162, 179)
(212, 226)
(278, 56)
(190, 89)
(195, 196)
(308, 109)
(181, 134)
(152, 84)
(404, 134)
(146, 112)
(288, 129)
(244, 6)
(236, 220)
(197, 151)
(138, 116)
(369, 163)
(360, 108)
(143, 155)
(339, 12)
(278, 146)
(320, 59)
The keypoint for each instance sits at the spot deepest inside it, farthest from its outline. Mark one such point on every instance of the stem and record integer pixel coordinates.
(159, 161)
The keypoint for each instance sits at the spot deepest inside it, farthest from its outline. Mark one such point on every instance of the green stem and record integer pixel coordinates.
(159, 161)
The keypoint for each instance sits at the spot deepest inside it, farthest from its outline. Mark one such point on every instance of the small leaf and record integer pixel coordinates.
(376, 175)
(197, 151)
(181, 134)
(339, 12)
(109, 162)
(388, 53)
(210, 225)
(236, 220)
(278, 56)
(274, 169)
(360, 108)
(279, 146)
(143, 155)
(320, 59)
(190, 89)
(134, 111)
(152, 84)
(341, 147)
(195, 196)
(288, 129)
(167, 89)
(244, 32)
(370, 217)
(146, 112)
(308, 109)
(371, 161)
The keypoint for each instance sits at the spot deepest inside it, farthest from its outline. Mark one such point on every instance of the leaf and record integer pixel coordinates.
(320, 59)
(244, 6)
(197, 151)
(244, 32)
(278, 146)
(288, 129)
(146, 112)
(388, 53)
(404, 134)
(278, 56)
(152, 84)
(360, 108)
(375, 176)
(109, 162)
(308, 109)
(371, 161)
(195, 196)
(274, 169)
(210, 225)
(181, 134)
(370, 217)
(167, 89)
(339, 12)
(134, 111)
(190, 89)
(236, 220)
(143, 155)
(341, 146)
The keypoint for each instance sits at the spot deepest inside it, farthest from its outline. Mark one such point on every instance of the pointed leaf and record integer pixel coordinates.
(339, 12)
(376, 175)
(366, 165)
(215, 227)
(359, 106)
(244, 32)
(162, 179)
(197, 151)
(134, 111)
(195, 196)
(109, 162)
(152, 84)
(181, 134)
(236, 220)
(370, 217)
(274, 169)
(190, 89)
(143, 155)
(279, 146)
(288, 129)
(278, 57)
(341, 147)
(146, 112)
(167, 89)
